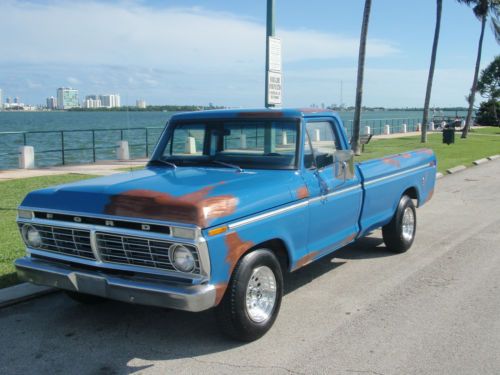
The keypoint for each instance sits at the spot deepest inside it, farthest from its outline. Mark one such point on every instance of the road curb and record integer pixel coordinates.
(458, 168)
(480, 161)
(22, 292)
(493, 157)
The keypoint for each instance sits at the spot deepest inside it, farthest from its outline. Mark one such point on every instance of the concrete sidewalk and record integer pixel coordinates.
(102, 168)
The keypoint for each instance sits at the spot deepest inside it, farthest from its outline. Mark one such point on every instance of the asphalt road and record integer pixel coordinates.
(433, 310)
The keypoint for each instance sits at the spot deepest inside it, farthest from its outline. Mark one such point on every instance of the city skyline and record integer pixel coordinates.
(194, 52)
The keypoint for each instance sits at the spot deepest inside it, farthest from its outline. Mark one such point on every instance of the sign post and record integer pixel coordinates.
(273, 61)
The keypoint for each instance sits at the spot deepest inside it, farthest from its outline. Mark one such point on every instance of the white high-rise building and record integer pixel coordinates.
(110, 101)
(67, 98)
(140, 103)
(1, 100)
(51, 103)
(92, 103)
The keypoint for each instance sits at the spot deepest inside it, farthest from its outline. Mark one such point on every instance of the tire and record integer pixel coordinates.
(248, 321)
(400, 232)
(86, 299)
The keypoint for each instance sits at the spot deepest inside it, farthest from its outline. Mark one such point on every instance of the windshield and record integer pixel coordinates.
(255, 144)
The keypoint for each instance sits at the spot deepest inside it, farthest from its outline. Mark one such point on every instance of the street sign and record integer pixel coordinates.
(274, 54)
(274, 88)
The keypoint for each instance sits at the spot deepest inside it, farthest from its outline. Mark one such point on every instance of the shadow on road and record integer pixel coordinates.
(56, 335)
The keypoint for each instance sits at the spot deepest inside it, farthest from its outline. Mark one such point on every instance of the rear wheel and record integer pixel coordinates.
(86, 299)
(253, 297)
(399, 233)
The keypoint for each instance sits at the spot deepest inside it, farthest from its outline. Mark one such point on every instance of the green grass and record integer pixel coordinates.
(486, 130)
(12, 193)
(479, 144)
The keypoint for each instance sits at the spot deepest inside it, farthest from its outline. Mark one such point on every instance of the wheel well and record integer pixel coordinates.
(412, 193)
(278, 247)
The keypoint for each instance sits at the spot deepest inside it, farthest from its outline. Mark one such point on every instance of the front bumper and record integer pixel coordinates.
(144, 292)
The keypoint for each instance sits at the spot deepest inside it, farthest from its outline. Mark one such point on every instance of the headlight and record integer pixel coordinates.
(182, 258)
(31, 236)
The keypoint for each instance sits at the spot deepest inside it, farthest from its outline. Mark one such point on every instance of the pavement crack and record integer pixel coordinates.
(248, 366)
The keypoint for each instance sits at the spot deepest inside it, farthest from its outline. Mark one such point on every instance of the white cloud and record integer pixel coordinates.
(129, 33)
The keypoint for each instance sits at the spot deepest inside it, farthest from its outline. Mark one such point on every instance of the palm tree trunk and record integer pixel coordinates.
(355, 144)
(425, 120)
(473, 89)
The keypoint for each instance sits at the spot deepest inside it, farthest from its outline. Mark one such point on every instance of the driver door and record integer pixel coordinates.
(334, 188)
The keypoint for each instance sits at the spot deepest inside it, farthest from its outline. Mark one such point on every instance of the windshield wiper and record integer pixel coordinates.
(161, 161)
(228, 165)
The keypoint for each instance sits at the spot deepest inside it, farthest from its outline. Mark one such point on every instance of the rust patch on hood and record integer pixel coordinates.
(425, 151)
(236, 247)
(407, 155)
(302, 192)
(193, 208)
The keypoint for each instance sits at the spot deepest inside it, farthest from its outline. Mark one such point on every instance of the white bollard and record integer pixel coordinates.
(317, 135)
(243, 141)
(368, 130)
(387, 129)
(419, 126)
(284, 138)
(123, 151)
(431, 125)
(404, 128)
(190, 145)
(26, 157)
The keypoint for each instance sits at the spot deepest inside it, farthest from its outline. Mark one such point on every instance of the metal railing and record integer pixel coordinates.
(62, 147)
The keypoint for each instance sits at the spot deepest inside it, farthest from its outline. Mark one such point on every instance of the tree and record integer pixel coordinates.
(489, 85)
(482, 9)
(439, 7)
(355, 144)
(485, 113)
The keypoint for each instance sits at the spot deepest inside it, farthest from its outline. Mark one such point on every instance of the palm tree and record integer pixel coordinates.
(439, 7)
(355, 144)
(482, 10)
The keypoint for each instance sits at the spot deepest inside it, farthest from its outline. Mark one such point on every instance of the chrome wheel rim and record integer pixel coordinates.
(261, 294)
(408, 224)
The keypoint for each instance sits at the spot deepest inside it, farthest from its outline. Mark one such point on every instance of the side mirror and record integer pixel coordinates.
(344, 164)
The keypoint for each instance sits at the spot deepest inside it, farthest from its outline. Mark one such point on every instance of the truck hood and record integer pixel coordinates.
(200, 196)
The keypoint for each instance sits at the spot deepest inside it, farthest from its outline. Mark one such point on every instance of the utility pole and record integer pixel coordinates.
(273, 60)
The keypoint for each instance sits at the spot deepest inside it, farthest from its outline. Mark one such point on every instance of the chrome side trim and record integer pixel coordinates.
(336, 192)
(93, 246)
(397, 174)
(267, 215)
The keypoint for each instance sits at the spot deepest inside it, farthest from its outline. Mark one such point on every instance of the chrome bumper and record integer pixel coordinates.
(190, 298)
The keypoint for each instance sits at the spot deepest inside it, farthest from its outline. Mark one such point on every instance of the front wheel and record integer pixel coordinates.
(399, 233)
(253, 297)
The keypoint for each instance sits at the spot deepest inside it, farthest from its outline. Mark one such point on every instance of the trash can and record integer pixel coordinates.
(449, 135)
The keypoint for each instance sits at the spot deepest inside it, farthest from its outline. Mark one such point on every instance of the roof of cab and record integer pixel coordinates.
(254, 113)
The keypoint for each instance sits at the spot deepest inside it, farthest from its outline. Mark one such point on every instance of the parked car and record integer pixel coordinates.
(229, 202)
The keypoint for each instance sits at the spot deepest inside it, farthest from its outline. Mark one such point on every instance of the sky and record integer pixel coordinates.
(213, 51)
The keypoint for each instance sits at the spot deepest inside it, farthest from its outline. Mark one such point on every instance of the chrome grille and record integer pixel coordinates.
(67, 241)
(139, 251)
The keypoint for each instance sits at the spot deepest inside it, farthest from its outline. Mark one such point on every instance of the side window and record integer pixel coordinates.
(323, 140)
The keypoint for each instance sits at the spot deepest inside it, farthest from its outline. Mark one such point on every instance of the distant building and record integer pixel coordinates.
(1, 100)
(51, 103)
(8, 100)
(67, 98)
(91, 103)
(110, 101)
(17, 100)
(140, 103)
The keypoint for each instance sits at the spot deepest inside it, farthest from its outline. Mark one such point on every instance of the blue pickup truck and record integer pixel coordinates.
(229, 201)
